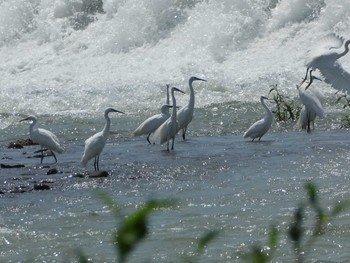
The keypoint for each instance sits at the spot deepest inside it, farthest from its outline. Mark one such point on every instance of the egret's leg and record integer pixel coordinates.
(148, 139)
(172, 144)
(42, 155)
(308, 123)
(98, 159)
(54, 156)
(95, 163)
(184, 133)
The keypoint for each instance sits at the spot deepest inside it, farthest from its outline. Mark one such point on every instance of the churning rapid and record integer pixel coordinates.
(73, 56)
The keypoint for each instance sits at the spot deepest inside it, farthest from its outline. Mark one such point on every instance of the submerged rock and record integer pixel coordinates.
(52, 171)
(9, 166)
(41, 186)
(98, 174)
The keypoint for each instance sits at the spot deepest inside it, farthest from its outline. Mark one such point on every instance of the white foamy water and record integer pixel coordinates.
(68, 60)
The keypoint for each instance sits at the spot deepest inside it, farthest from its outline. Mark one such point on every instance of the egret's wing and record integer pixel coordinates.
(327, 44)
(47, 139)
(160, 134)
(150, 124)
(336, 76)
(254, 129)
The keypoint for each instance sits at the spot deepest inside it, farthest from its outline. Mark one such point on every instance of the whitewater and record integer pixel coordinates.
(66, 61)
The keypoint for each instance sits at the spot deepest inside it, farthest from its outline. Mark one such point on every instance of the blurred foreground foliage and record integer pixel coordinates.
(134, 228)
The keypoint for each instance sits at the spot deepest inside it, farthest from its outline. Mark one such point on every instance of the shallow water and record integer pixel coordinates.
(66, 63)
(222, 183)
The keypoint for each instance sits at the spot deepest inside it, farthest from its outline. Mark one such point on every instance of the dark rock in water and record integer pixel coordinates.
(8, 166)
(25, 142)
(52, 171)
(98, 174)
(2, 193)
(78, 175)
(19, 190)
(41, 186)
(14, 145)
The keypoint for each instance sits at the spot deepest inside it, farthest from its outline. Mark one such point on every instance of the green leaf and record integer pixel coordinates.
(205, 240)
(312, 192)
(273, 237)
(134, 227)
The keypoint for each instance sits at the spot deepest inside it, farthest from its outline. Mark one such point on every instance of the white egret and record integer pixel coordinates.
(259, 128)
(311, 103)
(169, 128)
(95, 144)
(153, 122)
(44, 137)
(325, 58)
(185, 114)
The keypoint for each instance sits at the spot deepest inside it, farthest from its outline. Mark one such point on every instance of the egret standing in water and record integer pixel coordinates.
(312, 106)
(324, 57)
(43, 137)
(153, 122)
(259, 128)
(185, 114)
(95, 144)
(169, 128)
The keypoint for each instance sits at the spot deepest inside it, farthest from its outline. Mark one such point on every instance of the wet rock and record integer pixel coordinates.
(24, 142)
(41, 186)
(78, 175)
(14, 145)
(2, 193)
(8, 166)
(52, 171)
(19, 190)
(98, 174)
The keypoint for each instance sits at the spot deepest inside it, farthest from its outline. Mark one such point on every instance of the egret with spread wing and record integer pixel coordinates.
(43, 137)
(325, 57)
(310, 99)
(259, 128)
(169, 128)
(95, 144)
(185, 114)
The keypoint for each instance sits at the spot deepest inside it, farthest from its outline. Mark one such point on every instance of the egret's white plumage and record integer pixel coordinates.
(95, 144)
(44, 138)
(324, 57)
(312, 106)
(259, 128)
(152, 123)
(169, 128)
(185, 114)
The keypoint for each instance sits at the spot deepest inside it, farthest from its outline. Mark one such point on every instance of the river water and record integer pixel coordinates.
(66, 66)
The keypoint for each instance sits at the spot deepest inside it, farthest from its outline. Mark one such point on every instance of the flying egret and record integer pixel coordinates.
(95, 144)
(185, 114)
(169, 128)
(43, 137)
(325, 58)
(259, 128)
(311, 103)
(153, 122)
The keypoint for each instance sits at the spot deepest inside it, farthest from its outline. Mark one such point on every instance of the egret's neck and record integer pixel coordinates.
(267, 110)
(191, 103)
(105, 130)
(31, 127)
(173, 116)
(167, 95)
(347, 43)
